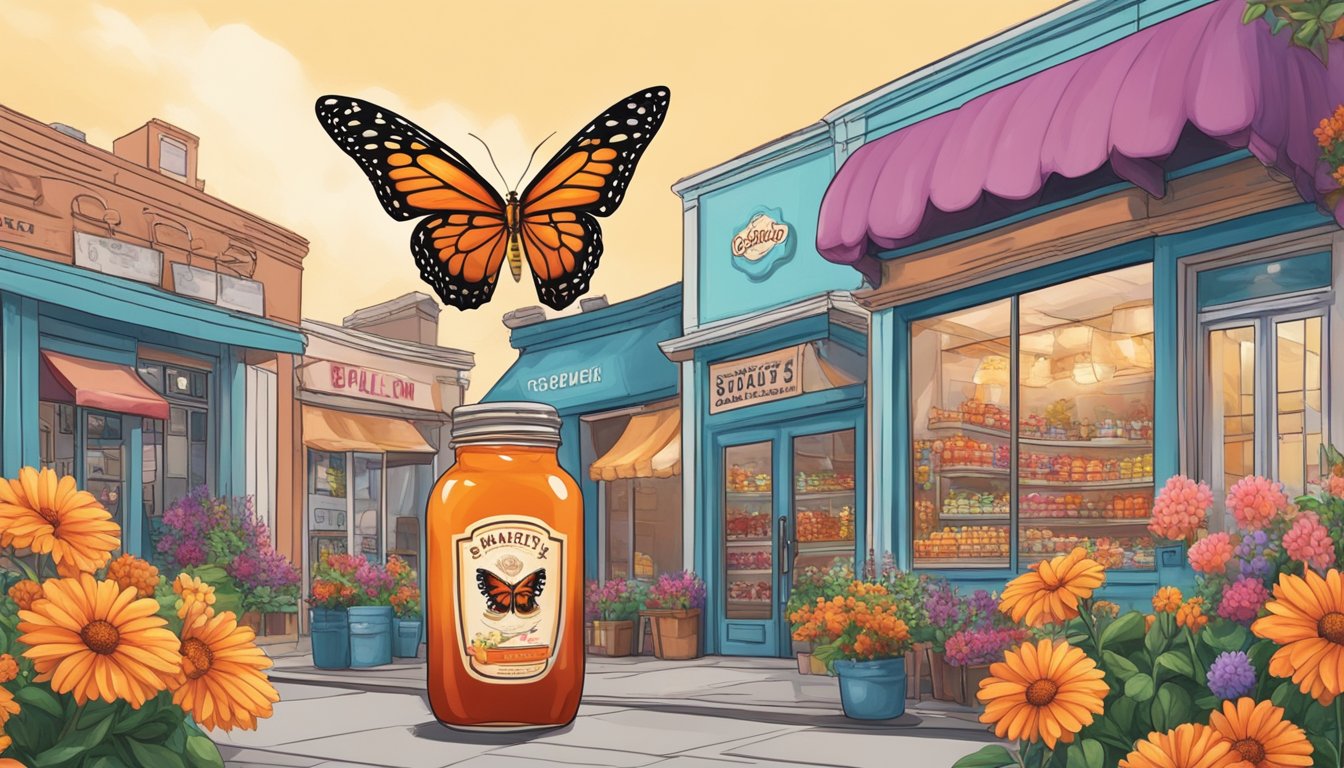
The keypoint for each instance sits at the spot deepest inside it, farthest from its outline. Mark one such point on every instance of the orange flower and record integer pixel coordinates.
(130, 571)
(1043, 692)
(1260, 735)
(1050, 591)
(1188, 746)
(1148, 622)
(25, 592)
(222, 684)
(1306, 618)
(1192, 615)
(9, 668)
(52, 516)
(8, 706)
(1167, 600)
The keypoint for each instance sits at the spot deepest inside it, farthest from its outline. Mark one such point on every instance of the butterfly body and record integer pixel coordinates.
(467, 229)
(502, 597)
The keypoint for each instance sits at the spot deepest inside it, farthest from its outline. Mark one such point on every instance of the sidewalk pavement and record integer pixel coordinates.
(637, 711)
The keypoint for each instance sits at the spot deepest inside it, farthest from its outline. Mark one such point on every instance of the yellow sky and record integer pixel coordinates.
(243, 76)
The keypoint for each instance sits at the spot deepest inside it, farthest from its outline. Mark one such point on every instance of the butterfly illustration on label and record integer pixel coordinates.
(520, 598)
(468, 229)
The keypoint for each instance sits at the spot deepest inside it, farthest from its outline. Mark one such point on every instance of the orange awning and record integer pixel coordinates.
(338, 431)
(94, 384)
(649, 447)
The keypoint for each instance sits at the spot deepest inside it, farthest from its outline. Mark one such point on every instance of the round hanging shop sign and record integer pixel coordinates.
(763, 244)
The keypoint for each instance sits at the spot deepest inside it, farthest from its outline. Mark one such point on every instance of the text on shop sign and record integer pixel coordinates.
(761, 234)
(760, 379)
(373, 383)
(566, 379)
(16, 225)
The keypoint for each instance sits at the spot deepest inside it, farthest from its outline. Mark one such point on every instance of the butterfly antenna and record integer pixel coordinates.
(533, 157)
(492, 158)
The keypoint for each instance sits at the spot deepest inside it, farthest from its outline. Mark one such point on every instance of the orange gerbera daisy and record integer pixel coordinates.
(222, 684)
(1306, 617)
(1189, 746)
(1260, 735)
(1046, 691)
(99, 641)
(1050, 591)
(52, 516)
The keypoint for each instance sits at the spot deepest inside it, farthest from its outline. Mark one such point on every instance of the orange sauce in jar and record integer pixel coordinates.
(505, 575)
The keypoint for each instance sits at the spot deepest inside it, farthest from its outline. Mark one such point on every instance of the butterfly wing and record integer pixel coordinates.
(498, 592)
(461, 246)
(586, 178)
(526, 592)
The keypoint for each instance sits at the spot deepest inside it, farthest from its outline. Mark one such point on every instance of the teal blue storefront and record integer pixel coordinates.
(601, 369)
(187, 354)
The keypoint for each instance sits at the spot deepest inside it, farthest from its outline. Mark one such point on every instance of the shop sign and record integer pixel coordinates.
(113, 257)
(18, 226)
(760, 379)
(368, 384)
(763, 244)
(566, 379)
(242, 294)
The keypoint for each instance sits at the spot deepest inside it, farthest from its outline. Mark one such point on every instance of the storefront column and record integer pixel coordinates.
(18, 384)
(1167, 364)
(133, 515)
(889, 517)
(690, 442)
(231, 475)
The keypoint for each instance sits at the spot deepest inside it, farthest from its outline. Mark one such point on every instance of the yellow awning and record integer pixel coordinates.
(649, 447)
(338, 431)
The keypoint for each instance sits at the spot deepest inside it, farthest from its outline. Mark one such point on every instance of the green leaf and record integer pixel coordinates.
(1277, 25)
(155, 754)
(993, 756)
(1171, 707)
(1253, 12)
(75, 744)
(40, 697)
(1177, 662)
(1125, 629)
(1333, 13)
(1087, 753)
(1139, 687)
(105, 761)
(1119, 666)
(1305, 32)
(1121, 715)
(1225, 636)
(201, 752)
(1302, 15)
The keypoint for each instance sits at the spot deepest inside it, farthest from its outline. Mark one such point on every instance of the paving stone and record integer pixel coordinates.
(400, 747)
(559, 754)
(309, 719)
(655, 733)
(856, 749)
(301, 692)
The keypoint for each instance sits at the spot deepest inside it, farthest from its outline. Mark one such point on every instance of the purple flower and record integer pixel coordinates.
(1255, 554)
(983, 645)
(677, 590)
(1231, 675)
(941, 605)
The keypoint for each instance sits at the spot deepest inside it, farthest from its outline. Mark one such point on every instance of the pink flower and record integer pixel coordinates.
(1308, 542)
(1211, 553)
(1181, 508)
(1243, 599)
(1334, 485)
(1255, 500)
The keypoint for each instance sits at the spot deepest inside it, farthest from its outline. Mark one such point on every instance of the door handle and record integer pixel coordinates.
(786, 560)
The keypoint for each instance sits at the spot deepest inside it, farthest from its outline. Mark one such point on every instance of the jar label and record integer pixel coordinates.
(510, 597)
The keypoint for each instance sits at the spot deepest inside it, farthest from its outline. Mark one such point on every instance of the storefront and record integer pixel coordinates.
(774, 366)
(376, 393)
(1085, 281)
(143, 328)
(621, 424)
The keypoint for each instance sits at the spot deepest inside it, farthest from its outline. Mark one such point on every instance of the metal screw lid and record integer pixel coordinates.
(506, 423)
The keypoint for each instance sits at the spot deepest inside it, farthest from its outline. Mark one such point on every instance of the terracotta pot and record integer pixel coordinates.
(613, 638)
(804, 663)
(676, 634)
(970, 680)
(251, 620)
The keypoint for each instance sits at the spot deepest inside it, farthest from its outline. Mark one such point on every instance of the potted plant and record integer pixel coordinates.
(972, 650)
(949, 612)
(909, 590)
(811, 584)
(332, 593)
(590, 611)
(371, 615)
(861, 637)
(272, 607)
(407, 625)
(618, 604)
(678, 599)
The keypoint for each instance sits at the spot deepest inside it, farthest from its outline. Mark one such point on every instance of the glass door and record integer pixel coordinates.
(749, 531)
(824, 509)
(104, 462)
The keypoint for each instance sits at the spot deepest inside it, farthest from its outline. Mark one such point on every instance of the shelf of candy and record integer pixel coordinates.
(1110, 551)
(749, 591)
(961, 452)
(1058, 424)
(744, 481)
(926, 518)
(972, 412)
(749, 561)
(823, 482)
(748, 524)
(964, 541)
(824, 525)
(1129, 506)
(966, 504)
(924, 464)
(1068, 468)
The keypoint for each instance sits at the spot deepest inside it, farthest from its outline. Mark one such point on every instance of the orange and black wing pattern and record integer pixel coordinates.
(502, 597)
(587, 178)
(461, 244)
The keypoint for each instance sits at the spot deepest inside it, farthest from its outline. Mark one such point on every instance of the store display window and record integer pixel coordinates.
(642, 515)
(175, 452)
(367, 487)
(327, 505)
(749, 530)
(91, 445)
(1033, 427)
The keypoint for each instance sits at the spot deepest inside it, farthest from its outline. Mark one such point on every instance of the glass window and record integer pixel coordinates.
(367, 489)
(1299, 413)
(104, 465)
(749, 530)
(1242, 282)
(152, 375)
(620, 519)
(172, 156)
(823, 499)
(1232, 365)
(326, 473)
(57, 422)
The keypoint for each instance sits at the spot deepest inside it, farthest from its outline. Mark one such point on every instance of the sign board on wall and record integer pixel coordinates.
(113, 257)
(758, 379)
(368, 384)
(763, 244)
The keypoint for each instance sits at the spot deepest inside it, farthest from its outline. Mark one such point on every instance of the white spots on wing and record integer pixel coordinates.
(329, 102)
(369, 133)
(618, 138)
(632, 121)
(611, 123)
(370, 147)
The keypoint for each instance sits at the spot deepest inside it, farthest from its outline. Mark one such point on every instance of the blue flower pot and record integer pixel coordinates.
(406, 638)
(872, 690)
(331, 638)
(370, 635)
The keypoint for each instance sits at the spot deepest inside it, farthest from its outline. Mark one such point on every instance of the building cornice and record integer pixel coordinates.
(839, 306)
(428, 354)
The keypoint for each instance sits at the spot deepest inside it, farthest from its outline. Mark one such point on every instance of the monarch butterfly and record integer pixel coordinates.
(502, 597)
(467, 228)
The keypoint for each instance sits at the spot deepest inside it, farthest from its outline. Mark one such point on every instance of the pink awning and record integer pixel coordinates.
(1116, 113)
(94, 384)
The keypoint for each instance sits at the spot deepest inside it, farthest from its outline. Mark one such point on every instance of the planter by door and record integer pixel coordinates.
(406, 638)
(872, 690)
(251, 620)
(331, 638)
(613, 638)
(278, 623)
(804, 663)
(941, 673)
(970, 683)
(916, 662)
(676, 634)
(370, 635)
